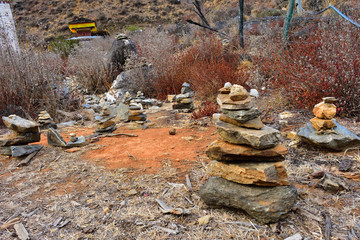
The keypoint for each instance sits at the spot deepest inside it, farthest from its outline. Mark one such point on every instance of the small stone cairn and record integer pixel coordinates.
(46, 121)
(184, 100)
(323, 131)
(105, 122)
(24, 132)
(247, 167)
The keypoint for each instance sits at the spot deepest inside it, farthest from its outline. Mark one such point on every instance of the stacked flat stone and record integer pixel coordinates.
(105, 122)
(247, 167)
(323, 131)
(46, 121)
(23, 133)
(324, 113)
(184, 100)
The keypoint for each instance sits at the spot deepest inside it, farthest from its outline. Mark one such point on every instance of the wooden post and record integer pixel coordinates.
(241, 23)
(288, 20)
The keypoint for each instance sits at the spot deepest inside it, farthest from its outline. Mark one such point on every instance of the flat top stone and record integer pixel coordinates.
(226, 103)
(223, 151)
(238, 93)
(338, 138)
(329, 99)
(264, 138)
(19, 124)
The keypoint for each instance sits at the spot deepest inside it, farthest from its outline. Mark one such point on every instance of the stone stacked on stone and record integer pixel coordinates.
(324, 113)
(247, 170)
(323, 131)
(46, 121)
(105, 122)
(137, 116)
(184, 100)
(76, 141)
(23, 133)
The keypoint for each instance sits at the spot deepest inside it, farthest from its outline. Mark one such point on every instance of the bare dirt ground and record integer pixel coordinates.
(108, 189)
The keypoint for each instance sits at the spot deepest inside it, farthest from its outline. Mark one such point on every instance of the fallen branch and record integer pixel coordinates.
(131, 156)
(116, 134)
(327, 226)
(10, 223)
(28, 159)
(166, 209)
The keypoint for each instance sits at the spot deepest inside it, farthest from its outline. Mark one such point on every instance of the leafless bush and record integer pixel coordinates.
(88, 64)
(27, 81)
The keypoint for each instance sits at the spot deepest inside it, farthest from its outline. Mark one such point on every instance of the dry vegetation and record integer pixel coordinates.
(99, 203)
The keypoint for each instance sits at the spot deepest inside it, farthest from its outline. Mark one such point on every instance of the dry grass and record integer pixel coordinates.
(96, 202)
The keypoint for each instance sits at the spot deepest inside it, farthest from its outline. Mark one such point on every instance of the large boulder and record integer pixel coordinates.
(19, 138)
(260, 174)
(121, 49)
(266, 137)
(265, 204)
(223, 151)
(339, 138)
(20, 125)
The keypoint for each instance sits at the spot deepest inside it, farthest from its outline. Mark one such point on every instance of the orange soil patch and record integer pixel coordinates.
(152, 148)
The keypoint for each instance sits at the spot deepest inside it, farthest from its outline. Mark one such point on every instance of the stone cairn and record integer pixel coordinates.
(184, 100)
(46, 121)
(323, 131)
(24, 132)
(247, 170)
(105, 122)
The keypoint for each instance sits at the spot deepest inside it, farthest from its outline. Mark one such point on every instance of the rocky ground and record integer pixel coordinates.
(109, 189)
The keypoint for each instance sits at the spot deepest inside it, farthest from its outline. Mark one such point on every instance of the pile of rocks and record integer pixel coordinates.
(247, 167)
(56, 140)
(184, 100)
(323, 131)
(137, 116)
(105, 122)
(46, 121)
(24, 132)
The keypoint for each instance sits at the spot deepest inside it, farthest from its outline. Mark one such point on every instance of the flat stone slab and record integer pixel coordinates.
(265, 204)
(140, 117)
(19, 151)
(226, 103)
(264, 138)
(339, 138)
(260, 174)
(55, 139)
(80, 142)
(20, 125)
(255, 123)
(223, 151)
(19, 138)
(242, 116)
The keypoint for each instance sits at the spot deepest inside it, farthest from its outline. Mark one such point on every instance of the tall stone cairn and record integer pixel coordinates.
(247, 170)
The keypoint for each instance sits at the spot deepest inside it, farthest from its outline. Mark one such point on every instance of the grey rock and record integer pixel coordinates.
(20, 125)
(189, 106)
(338, 138)
(109, 129)
(121, 113)
(55, 139)
(125, 80)
(180, 97)
(19, 151)
(121, 50)
(80, 142)
(294, 237)
(187, 89)
(19, 138)
(227, 85)
(265, 204)
(67, 124)
(264, 138)
(242, 116)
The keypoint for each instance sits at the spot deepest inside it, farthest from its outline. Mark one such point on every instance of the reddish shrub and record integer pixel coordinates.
(205, 65)
(326, 63)
(206, 108)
